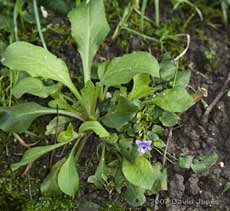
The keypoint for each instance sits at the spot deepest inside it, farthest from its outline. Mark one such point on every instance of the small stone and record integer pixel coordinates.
(44, 12)
(221, 164)
(193, 184)
(108, 95)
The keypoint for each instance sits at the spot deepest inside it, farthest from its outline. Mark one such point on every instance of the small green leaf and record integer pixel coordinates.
(37, 62)
(67, 135)
(122, 69)
(159, 143)
(157, 178)
(49, 185)
(96, 127)
(61, 103)
(101, 69)
(128, 149)
(204, 162)
(89, 97)
(174, 100)
(157, 129)
(134, 195)
(56, 125)
(164, 179)
(19, 118)
(226, 187)
(160, 178)
(68, 180)
(167, 70)
(89, 28)
(101, 174)
(119, 180)
(33, 154)
(122, 113)
(59, 6)
(169, 119)
(33, 86)
(140, 173)
(185, 161)
(140, 87)
(183, 78)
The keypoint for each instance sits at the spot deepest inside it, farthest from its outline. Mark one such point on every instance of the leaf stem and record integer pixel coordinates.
(166, 148)
(74, 90)
(68, 113)
(82, 144)
(140, 34)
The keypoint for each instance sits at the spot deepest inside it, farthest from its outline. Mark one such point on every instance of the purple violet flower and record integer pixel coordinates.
(143, 146)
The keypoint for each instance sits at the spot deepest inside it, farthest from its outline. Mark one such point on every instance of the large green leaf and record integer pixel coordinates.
(50, 184)
(18, 118)
(139, 173)
(141, 86)
(96, 127)
(37, 62)
(33, 154)
(89, 29)
(119, 116)
(174, 100)
(33, 86)
(68, 179)
(122, 69)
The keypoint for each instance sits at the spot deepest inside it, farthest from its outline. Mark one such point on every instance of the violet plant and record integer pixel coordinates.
(127, 123)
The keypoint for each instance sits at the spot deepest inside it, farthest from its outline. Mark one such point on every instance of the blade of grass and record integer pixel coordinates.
(224, 11)
(39, 24)
(127, 12)
(157, 12)
(143, 8)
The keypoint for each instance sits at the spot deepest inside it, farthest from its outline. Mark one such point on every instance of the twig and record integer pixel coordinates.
(161, 153)
(187, 46)
(21, 141)
(216, 100)
(55, 140)
(28, 167)
(166, 147)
